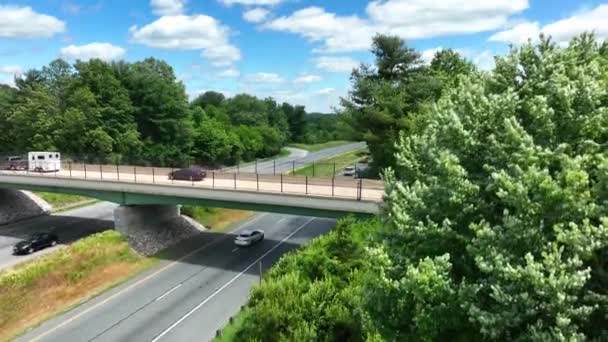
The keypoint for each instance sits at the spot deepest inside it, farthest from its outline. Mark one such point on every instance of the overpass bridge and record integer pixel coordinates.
(147, 196)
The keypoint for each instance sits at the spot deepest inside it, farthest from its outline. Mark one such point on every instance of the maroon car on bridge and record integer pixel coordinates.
(194, 174)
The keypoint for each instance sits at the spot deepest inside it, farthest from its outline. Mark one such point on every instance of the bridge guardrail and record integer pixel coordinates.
(339, 186)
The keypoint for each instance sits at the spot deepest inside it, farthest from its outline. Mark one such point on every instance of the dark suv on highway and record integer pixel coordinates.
(35, 242)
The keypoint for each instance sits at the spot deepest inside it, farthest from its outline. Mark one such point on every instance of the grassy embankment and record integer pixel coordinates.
(216, 219)
(36, 290)
(325, 167)
(322, 146)
(58, 200)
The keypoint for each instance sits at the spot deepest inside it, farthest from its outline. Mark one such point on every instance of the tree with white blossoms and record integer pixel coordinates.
(497, 209)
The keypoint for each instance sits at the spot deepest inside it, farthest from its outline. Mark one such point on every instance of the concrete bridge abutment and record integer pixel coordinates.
(18, 205)
(151, 228)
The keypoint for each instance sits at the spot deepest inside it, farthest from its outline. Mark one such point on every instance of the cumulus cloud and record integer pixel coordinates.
(8, 74)
(229, 73)
(256, 15)
(337, 33)
(592, 20)
(428, 54)
(409, 19)
(103, 51)
(23, 22)
(168, 7)
(336, 64)
(264, 77)
(307, 78)
(252, 2)
(484, 60)
(197, 32)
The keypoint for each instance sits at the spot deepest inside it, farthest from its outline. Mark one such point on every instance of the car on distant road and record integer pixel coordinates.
(190, 174)
(349, 171)
(249, 237)
(35, 242)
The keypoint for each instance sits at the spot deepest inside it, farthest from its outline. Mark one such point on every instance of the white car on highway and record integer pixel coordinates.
(249, 237)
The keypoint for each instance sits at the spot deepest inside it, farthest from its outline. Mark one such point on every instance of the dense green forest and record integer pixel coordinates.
(496, 219)
(139, 113)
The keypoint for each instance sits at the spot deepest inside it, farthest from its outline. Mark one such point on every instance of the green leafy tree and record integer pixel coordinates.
(383, 99)
(160, 107)
(209, 98)
(497, 219)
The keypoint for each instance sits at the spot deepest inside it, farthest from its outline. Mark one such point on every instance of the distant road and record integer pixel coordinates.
(187, 299)
(301, 157)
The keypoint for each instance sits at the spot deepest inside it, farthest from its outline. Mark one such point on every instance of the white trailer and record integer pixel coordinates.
(44, 161)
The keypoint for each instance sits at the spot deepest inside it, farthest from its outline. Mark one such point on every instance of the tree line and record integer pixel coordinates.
(140, 113)
(495, 226)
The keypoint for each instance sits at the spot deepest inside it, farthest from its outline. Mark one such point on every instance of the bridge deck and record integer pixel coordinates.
(339, 187)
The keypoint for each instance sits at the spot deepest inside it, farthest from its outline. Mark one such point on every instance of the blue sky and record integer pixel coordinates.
(294, 50)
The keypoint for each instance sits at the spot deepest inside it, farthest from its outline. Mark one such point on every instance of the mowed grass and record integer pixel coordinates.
(60, 200)
(216, 219)
(37, 290)
(325, 168)
(322, 146)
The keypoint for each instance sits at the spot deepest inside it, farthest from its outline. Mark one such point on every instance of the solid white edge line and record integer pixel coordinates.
(168, 292)
(166, 331)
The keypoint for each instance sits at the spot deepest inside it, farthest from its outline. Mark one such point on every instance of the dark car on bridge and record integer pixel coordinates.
(35, 242)
(190, 174)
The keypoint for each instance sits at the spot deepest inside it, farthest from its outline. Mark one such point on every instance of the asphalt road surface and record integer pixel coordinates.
(69, 226)
(187, 298)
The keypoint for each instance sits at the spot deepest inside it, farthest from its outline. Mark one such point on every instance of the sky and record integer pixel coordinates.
(299, 51)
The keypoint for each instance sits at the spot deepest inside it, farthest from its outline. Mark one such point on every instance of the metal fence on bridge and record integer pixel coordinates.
(228, 178)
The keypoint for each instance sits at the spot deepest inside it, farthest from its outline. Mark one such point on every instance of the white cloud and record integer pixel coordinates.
(484, 60)
(325, 91)
(428, 54)
(222, 55)
(256, 15)
(518, 34)
(103, 51)
(8, 74)
(228, 73)
(11, 70)
(23, 22)
(409, 19)
(336, 64)
(168, 7)
(197, 32)
(307, 78)
(264, 77)
(252, 2)
(562, 30)
(337, 33)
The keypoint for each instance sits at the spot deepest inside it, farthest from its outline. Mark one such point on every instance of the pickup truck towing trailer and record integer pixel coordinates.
(44, 161)
(15, 163)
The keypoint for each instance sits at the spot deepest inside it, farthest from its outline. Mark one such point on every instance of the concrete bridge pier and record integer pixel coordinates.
(18, 205)
(152, 228)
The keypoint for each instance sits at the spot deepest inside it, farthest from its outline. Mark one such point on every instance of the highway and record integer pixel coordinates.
(69, 226)
(185, 298)
(301, 157)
